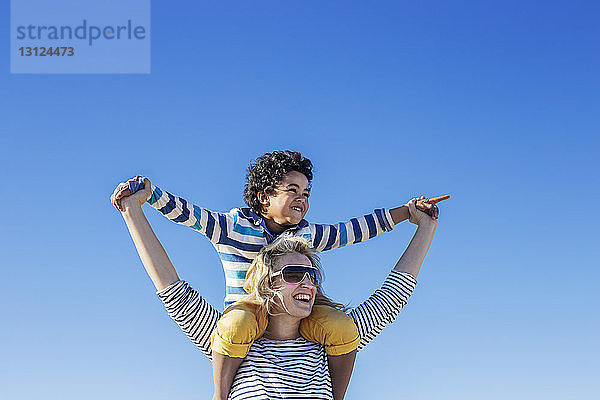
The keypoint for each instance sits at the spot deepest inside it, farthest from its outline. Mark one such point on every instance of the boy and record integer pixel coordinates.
(277, 191)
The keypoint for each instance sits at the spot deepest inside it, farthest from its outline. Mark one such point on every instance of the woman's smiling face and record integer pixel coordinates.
(298, 298)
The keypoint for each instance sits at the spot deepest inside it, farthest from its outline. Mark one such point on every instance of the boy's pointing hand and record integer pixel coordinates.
(438, 199)
(429, 207)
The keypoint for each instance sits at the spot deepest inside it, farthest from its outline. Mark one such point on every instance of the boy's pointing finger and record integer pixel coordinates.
(438, 199)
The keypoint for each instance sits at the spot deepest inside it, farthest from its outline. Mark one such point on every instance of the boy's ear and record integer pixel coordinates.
(263, 198)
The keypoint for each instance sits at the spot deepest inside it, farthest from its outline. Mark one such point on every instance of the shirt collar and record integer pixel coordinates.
(259, 221)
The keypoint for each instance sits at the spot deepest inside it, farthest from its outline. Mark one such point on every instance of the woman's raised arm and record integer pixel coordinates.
(153, 255)
(194, 315)
(383, 306)
(413, 256)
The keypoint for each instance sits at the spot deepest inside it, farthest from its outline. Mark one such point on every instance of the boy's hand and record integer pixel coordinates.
(122, 192)
(428, 206)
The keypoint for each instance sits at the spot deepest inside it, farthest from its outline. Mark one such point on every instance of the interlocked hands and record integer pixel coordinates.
(123, 192)
(424, 209)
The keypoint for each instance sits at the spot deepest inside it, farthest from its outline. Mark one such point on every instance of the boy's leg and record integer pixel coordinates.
(237, 329)
(224, 370)
(340, 369)
(338, 333)
(235, 332)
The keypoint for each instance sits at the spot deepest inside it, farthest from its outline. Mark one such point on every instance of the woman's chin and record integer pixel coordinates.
(301, 310)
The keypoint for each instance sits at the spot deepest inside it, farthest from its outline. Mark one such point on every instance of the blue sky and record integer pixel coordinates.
(495, 103)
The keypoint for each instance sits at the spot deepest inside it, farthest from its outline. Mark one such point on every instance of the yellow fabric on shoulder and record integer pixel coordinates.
(237, 329)
(332, 328)
(240, 325)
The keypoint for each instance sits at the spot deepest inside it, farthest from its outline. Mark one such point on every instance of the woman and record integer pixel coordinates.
(284, 281)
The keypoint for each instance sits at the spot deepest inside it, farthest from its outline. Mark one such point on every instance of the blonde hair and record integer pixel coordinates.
(258, 279)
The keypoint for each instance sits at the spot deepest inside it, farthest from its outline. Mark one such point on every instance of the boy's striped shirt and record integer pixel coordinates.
(239, 234)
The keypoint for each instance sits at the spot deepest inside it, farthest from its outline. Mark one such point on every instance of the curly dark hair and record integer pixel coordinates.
(268, 171)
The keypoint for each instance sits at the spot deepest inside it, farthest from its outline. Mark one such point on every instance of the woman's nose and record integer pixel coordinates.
(306, 280)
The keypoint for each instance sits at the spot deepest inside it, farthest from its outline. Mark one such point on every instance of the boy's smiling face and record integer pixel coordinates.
(288, 204)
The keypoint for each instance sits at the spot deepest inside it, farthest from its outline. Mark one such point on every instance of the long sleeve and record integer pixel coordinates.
(356, 230)
(194, 315)
(235, 237)
(179, 210)
(383, 306)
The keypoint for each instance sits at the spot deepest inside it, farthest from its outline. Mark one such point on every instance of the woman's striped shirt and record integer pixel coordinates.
(285, 369)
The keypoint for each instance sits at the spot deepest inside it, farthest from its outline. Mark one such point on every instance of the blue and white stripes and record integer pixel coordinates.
(238, 235)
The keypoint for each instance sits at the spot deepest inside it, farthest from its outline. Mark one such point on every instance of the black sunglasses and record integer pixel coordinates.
(297, 273)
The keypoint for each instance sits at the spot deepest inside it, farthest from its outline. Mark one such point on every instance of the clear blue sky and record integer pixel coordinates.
(495, 103)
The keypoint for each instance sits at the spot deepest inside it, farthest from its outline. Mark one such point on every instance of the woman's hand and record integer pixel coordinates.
(122, 196)
(419, 217)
